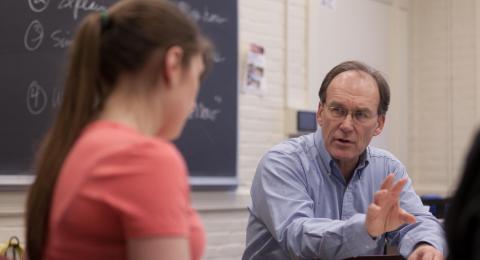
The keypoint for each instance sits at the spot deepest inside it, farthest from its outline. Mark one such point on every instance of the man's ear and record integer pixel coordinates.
(380, 124)
(173, 66)
(320, 110)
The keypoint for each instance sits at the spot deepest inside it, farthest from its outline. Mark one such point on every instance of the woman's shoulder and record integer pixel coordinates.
(104, 134)
(106, 143)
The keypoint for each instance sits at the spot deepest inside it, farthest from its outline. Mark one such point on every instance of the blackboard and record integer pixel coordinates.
(34, 37)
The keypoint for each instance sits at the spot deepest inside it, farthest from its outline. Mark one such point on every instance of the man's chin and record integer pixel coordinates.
(343, 156)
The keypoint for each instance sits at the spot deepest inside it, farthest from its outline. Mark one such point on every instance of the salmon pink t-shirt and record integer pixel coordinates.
(117, 184)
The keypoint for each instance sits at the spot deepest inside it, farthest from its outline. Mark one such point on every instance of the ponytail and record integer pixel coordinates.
(79, 106)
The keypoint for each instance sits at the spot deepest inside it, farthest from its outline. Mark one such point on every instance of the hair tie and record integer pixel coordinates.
(105, 21)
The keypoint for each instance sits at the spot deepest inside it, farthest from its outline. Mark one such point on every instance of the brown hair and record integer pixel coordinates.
(383, 88)
(119, 40)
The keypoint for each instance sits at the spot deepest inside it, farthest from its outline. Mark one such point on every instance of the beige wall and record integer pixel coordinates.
(428, 49)
(372, 31)
(443, 103)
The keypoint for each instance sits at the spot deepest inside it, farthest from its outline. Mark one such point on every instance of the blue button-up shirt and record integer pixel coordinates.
(302, 207)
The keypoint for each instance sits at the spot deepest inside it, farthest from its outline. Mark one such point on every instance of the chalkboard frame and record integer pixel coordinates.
(21, 180)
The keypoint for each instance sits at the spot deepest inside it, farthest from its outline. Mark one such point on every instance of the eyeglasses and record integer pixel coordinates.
(360, 116)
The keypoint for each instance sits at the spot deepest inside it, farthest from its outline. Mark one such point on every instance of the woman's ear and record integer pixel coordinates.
(173, 66)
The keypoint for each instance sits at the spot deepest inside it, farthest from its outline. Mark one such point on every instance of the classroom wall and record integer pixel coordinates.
(372, 31)
(428, 50)
(444, 108)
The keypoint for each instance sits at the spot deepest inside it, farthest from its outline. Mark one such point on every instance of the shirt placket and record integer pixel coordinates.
(347, 205)
(348, 209)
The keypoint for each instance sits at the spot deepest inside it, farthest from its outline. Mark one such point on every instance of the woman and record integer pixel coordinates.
(462, 222)
(110, 184)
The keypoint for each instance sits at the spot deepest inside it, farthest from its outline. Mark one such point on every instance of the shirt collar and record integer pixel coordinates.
(364, 159)
(325, 157)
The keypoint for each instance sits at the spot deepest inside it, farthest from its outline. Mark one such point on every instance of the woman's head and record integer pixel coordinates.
(148, 37)
(158, 41)
(462, 222)
(132, 31)
(178, 92)
(133, 36)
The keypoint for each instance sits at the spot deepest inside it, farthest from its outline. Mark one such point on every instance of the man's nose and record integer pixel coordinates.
(347, 123)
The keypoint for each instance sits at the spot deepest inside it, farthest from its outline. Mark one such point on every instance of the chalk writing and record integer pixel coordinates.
(218, 58)
(38, 5)
(80, 5)
(36, 98)
(203, 112)
(204, 16)
(57, 95)
(33, 35)
(61, 39)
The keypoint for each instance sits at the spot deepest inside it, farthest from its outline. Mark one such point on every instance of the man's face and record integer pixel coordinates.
(349, 116)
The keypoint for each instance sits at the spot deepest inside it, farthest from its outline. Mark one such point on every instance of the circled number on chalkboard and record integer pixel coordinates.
(33, 35)
(38, 5)
(36, 98)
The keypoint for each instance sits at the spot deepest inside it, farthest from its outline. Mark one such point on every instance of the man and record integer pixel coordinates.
(330, 195)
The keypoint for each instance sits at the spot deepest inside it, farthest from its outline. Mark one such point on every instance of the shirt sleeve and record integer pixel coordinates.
(427, 227)
(281, 200)
(147, 187)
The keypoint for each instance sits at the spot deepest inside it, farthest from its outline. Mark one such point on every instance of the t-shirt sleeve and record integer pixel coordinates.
(147, 189)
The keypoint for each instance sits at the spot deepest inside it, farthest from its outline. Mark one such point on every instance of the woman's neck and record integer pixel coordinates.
(134, 108)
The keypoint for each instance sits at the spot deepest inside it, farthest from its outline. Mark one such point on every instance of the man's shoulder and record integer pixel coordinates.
(376, 153)
(301, 144)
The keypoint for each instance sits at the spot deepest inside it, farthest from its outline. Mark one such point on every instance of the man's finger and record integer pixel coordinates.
(387, 182)
(379, 197)
(413, 256)
(397, 188)
(407, 217)
(374, 209)
(438, 256)
(427, 255)
(416, 255)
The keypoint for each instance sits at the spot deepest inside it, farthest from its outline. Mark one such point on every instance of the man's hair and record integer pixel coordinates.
(383, 88)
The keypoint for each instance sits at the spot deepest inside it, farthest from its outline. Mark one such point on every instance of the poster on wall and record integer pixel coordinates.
(254, 80)
(330, 4)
